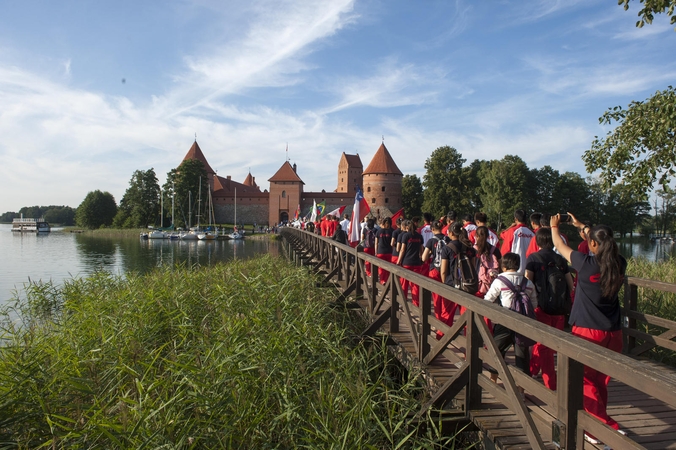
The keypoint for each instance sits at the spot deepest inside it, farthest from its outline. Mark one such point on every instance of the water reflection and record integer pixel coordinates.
(645, 248)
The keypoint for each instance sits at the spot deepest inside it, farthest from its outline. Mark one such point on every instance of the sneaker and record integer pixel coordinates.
(592, 440)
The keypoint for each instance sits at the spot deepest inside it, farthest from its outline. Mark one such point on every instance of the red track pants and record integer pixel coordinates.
(595, 382)
(444, 309)
(543, 357)
(383, 274)
(367, 265)
(415, 289)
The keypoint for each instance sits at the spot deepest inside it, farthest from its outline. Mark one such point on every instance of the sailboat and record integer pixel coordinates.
(236, 234)
(189, 235)
(209, 235)
(159, 234)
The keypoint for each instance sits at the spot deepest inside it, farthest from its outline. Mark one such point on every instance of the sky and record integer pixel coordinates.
(92, 91)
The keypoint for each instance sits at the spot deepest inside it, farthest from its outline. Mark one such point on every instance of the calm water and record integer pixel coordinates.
(57, 255)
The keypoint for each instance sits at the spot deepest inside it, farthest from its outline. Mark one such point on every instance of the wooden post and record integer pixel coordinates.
(394, 305)
(630, 304)
(359, 288)
(374, 288)
(474, 343)
(569, 393)
(425, 329)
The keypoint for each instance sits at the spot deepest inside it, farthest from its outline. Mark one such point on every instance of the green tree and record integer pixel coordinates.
(541, 185)
(184, 183)
(641, 148)
(63, 215)
(412, 195)
(471, 176)
(140, 205)
(650, 8)
(574, 195)
(96, 210)
(504, 188)
(443, 182)
(8, 216)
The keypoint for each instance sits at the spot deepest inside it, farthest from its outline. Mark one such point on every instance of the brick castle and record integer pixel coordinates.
(380, 182)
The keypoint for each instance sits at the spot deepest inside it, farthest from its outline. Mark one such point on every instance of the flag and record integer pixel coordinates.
(396, 215)
(336, 212)
(359, 211)
(297, 213)
(320, 207)
(313, 216)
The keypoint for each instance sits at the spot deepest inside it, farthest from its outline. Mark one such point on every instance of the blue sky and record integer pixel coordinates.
(489, 78)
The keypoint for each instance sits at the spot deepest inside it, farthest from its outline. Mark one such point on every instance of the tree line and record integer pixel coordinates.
(499, 187)
(61, 215)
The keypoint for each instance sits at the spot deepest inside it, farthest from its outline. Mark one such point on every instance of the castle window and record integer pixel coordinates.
(387, 200)
(368, 189)
(283, 194)
(383, 188)
(373, 200)
(342, 180)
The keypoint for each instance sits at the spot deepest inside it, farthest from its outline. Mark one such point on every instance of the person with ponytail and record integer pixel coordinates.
(596, 311)
(409, 258)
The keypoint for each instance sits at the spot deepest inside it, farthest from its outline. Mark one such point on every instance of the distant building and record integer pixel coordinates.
(380, 182)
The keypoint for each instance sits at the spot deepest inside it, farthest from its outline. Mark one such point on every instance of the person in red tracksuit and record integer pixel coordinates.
(596, 311)
(384, 247)
(444, 309)
(409, 258)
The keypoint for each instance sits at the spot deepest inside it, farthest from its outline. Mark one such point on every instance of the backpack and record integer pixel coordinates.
(437, 252)
(489, 269)
(552, 289)
(521, 305)
(465, 276)
(369, 238)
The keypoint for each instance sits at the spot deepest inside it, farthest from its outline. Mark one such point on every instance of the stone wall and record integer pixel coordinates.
(246, 214)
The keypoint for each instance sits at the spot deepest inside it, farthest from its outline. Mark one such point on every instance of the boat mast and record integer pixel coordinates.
(173, 196)
(161, 209)
(199, 204)
(235, 207)
(189, 211)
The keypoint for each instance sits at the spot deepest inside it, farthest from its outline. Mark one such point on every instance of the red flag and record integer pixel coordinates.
(359, 211)
(336, 212)
(397, 215)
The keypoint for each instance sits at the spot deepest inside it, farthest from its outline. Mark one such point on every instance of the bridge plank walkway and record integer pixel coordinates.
(455, 371)
(649, 421)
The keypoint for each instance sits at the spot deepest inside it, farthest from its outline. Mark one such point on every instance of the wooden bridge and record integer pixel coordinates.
(642, 393)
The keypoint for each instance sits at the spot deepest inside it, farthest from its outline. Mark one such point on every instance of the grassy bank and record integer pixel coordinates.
(245, 355)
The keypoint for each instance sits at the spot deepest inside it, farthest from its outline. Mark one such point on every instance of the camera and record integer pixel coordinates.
(564, 218)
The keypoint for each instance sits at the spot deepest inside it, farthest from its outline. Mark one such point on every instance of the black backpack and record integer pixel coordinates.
(552, 288)
(521, 305)
(465, 276)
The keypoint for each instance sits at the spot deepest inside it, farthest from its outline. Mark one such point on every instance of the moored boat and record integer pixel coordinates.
(26, 225)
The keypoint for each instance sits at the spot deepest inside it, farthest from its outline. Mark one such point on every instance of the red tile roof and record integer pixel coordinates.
(249, 181)
(195, 152)
(382, 162)
(224, 187)
(353, 160)
(286, 173)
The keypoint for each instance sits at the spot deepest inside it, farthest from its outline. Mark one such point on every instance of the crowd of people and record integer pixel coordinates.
(528, 265)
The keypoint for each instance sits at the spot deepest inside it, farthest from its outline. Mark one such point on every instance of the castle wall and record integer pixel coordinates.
(383, 190)
(246, 213)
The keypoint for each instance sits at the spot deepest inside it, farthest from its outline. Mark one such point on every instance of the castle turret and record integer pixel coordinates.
(349, 173)
(286, 190)
(382, 182)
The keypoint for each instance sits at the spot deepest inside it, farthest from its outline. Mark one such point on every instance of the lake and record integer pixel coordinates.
(61, 255)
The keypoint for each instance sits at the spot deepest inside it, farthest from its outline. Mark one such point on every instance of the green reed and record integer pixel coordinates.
(654, 302)
(248, 354)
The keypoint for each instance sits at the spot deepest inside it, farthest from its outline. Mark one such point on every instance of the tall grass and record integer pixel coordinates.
(654, 302)
(244, 355)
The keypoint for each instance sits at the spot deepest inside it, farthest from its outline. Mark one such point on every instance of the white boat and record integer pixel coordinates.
(209, 235)
(157, 234)
(25, 225)
(189, 236)
(236, 234)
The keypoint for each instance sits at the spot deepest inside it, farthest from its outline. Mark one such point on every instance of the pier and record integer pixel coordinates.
(642, 392)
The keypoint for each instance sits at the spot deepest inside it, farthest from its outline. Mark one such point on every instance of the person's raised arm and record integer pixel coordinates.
(559, 244)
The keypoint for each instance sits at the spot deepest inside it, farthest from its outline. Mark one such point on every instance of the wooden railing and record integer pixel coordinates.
(566, 420)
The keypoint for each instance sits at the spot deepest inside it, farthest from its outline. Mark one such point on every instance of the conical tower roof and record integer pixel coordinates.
(249, 181)
(382, 162)
(286, 173)
(195, 152)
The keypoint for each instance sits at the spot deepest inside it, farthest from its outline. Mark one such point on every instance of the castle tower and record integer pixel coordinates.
(349, 173)
(286, 189)
(195, 152)
(382, 182)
